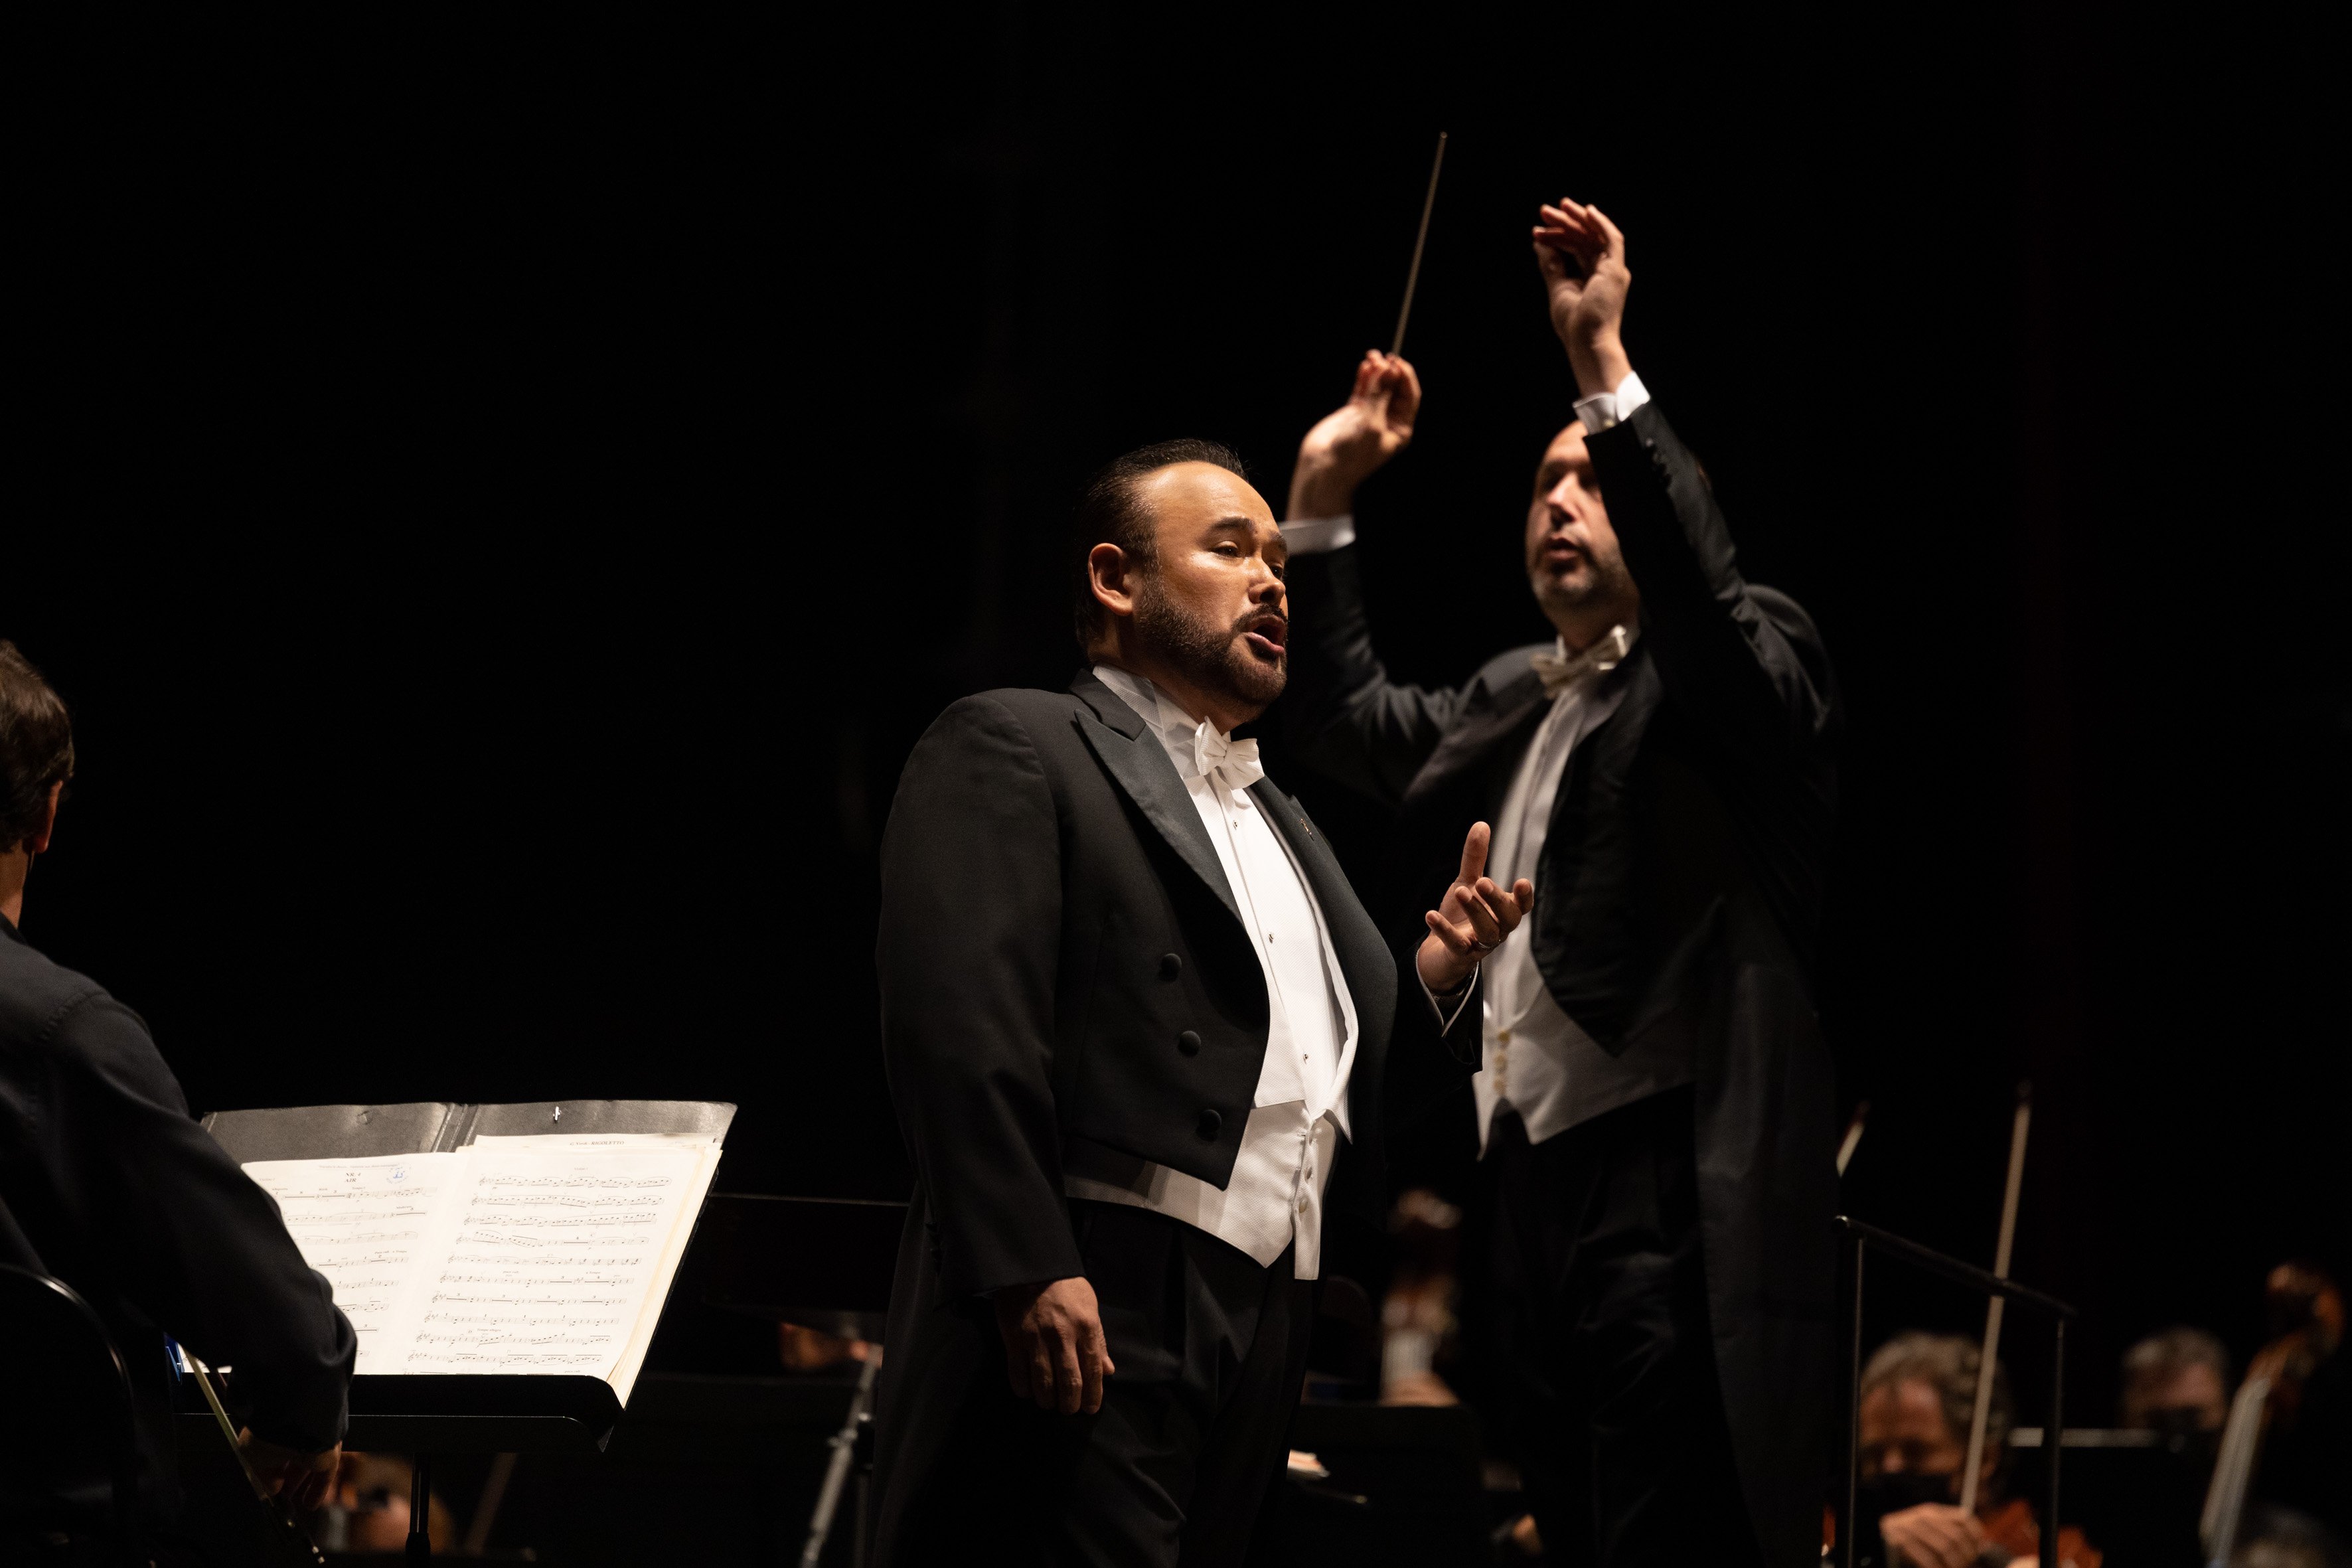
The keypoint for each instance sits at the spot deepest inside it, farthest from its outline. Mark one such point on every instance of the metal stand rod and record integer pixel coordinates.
(2056, 1438)
(836, 1474)
(1853, 1408)
(420, 1510)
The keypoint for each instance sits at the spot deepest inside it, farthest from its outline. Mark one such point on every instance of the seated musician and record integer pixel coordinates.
(107, 1184)
(1918, 1397)
(2175, 1382)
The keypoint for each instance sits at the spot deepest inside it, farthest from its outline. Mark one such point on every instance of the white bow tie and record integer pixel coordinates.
(1607, 652)
(1226, 762)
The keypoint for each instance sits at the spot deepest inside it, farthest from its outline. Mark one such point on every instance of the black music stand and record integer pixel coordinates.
(826, 1264)
(1866, 1237)
(460, 1414)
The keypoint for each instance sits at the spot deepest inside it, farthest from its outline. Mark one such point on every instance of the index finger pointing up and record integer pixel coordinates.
(1473, 854)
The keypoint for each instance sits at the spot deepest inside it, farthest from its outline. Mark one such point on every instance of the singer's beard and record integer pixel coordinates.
(1213, 657)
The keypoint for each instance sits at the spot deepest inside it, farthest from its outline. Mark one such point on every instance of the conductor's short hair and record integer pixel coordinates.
(36, 748)
(1110, 513)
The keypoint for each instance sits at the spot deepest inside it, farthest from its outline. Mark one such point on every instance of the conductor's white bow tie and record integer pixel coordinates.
(1607, 652)
(1226, 762)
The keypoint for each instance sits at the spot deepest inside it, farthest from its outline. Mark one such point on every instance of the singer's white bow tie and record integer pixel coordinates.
(1607, 652)
(1226, 762)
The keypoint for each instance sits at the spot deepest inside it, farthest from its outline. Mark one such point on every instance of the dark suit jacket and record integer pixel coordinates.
(1063, 964)
(1675, 900)
(1063, 969)
(105, 1182)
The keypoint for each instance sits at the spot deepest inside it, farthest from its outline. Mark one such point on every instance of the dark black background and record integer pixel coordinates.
(502, 506)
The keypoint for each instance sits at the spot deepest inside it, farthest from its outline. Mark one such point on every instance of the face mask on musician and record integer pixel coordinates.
(1883, 1495)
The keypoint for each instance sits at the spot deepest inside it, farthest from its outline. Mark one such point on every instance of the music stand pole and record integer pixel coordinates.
(2055, 1435)
(836, 1474)
(420, 1509)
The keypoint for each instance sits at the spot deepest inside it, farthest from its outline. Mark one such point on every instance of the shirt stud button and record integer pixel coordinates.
(1189, 1042)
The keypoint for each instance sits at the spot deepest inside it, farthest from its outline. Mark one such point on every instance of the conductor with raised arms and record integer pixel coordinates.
(1132, 1016)
(1653, 1092)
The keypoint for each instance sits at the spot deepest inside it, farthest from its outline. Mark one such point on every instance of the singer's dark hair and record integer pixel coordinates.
(1109, 513)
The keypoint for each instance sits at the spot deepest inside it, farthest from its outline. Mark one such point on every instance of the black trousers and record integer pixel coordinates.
(1210, 1352)
(1618, 1417)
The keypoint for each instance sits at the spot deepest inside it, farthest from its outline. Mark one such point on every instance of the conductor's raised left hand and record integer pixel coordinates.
(1475, 916)
(1582, 256)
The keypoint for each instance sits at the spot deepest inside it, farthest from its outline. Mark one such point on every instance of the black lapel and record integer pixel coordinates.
(1131, 754)
(1364, 958)
(1510, 713)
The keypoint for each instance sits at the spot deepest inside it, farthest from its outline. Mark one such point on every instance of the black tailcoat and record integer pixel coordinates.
(1061, 964)
(1676, 898)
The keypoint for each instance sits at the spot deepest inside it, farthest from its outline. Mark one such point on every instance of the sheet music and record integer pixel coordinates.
(555, 1255)
(369, 1225)
(546, 1254)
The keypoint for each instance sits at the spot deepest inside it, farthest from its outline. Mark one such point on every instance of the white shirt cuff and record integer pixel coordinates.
(1314, 535)
(1603, 409)
(1445, 1020)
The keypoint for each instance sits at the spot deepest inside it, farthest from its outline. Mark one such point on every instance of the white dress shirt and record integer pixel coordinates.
(1300, 1110)
(1526, 1038)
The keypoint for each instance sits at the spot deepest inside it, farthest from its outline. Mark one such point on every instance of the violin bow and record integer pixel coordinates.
(1853, 1139)
(2017, 1130)
(298, 1545)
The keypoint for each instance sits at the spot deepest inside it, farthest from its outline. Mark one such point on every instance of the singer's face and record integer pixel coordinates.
(1212, 600)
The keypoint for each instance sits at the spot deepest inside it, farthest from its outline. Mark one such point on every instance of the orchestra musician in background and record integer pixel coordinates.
(1919, 1398)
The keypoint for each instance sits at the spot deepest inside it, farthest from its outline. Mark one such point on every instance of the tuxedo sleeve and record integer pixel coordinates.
(971, 932)
(192, 1239)
(1434, 1047)
(1340, 713)
(1747, 660)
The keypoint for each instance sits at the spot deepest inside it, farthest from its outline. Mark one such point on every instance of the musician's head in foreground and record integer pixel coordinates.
(36, 758)
(1180, 568)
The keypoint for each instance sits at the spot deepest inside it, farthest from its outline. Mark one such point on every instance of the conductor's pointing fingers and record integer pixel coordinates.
(1477, 916)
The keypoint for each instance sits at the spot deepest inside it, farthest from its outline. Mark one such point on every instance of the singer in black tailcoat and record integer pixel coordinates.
(1098, 920)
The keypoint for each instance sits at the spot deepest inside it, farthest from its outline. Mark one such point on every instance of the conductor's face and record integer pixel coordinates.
(1208, 608)
(1573, 563)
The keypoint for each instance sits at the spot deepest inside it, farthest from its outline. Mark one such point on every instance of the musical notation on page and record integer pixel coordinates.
(537, 1254)
(367, 1224)
(553, 1258)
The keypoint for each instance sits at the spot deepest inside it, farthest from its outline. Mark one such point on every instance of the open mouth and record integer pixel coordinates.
(1265, 637)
